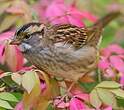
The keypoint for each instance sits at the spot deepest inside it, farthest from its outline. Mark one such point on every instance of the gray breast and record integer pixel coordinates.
(62, 62)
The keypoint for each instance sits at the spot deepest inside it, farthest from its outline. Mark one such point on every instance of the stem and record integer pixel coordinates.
(99, 75)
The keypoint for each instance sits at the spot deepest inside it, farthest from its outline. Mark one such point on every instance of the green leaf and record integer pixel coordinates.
(5, 104)
(30, 99)
(29, 80)
(107, 97)
(8, 96)
(120, 102)
(8, 21)
(55, 90)
(118, 92)
(108, 84)
(1, 108)
(88, 86)
(17, 95)
(17, 78)
(50, 107)
(94, 99)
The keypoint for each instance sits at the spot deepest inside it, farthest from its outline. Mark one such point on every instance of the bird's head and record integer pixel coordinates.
(28, 36)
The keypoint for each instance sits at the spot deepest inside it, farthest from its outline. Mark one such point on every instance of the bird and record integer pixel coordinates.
(62, 50)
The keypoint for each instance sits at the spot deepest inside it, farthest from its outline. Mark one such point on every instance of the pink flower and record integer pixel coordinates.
(112, 62)
(103, 63)
(10, 54)
(3, 37)
(77, 102)
(60, 13)
(117, 63)
(108, 108)
(60, 103)
(122, 79)
(19, 106)
(112, 49)
(43, 86)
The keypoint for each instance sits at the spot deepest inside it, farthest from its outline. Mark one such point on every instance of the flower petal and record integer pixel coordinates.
(117, 63)
(76, 104)
(108, 108)
(103, 63)
(19, 106)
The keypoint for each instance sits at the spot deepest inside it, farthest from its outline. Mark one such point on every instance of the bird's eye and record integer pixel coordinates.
(27, 37)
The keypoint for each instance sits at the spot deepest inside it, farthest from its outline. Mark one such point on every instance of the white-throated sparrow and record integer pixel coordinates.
(65, 50)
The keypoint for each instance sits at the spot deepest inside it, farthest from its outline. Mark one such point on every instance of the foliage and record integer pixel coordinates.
(23, 87)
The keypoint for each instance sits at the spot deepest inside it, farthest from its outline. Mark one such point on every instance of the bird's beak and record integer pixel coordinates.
(14, 42)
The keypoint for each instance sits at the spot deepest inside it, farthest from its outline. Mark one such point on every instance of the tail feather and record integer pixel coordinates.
(94, 32)
(101, 23)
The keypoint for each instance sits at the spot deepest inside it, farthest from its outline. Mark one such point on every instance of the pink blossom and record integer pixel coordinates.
(122, 79)
(60, 103)
(58, 12)
(1, 52)
(112, 62)
(24, 68)
(103, 63)
(43, 86)
(10, 54)
(3, 37)
(112, 49)
(117, 63)
(77, 101)
(110, 73)
(76, 104)
(6, 35)
(80, 95)
(19, 106)
(108, 108)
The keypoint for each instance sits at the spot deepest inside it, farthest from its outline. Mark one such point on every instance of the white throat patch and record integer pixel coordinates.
(24, 47)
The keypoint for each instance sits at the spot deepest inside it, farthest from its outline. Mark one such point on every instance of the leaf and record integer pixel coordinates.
(29, 80)
(55, 91)
(108, 84)
(43, 105)
(32, 98)
(107, 97)
(50, 107)
(18, 95)
(88, 86)
(94, 99)
(5, 104)
(17, 78)
(118, 92)
(43, 76)
(8, 21)
(120, 102)
(12, 58)
(1, 108)
(8, 96)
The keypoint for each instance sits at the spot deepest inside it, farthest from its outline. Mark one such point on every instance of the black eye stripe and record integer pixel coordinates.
(27, 36)
(38, 32)
(24, 27)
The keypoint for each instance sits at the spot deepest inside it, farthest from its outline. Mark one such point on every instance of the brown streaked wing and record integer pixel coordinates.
(69, 34)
